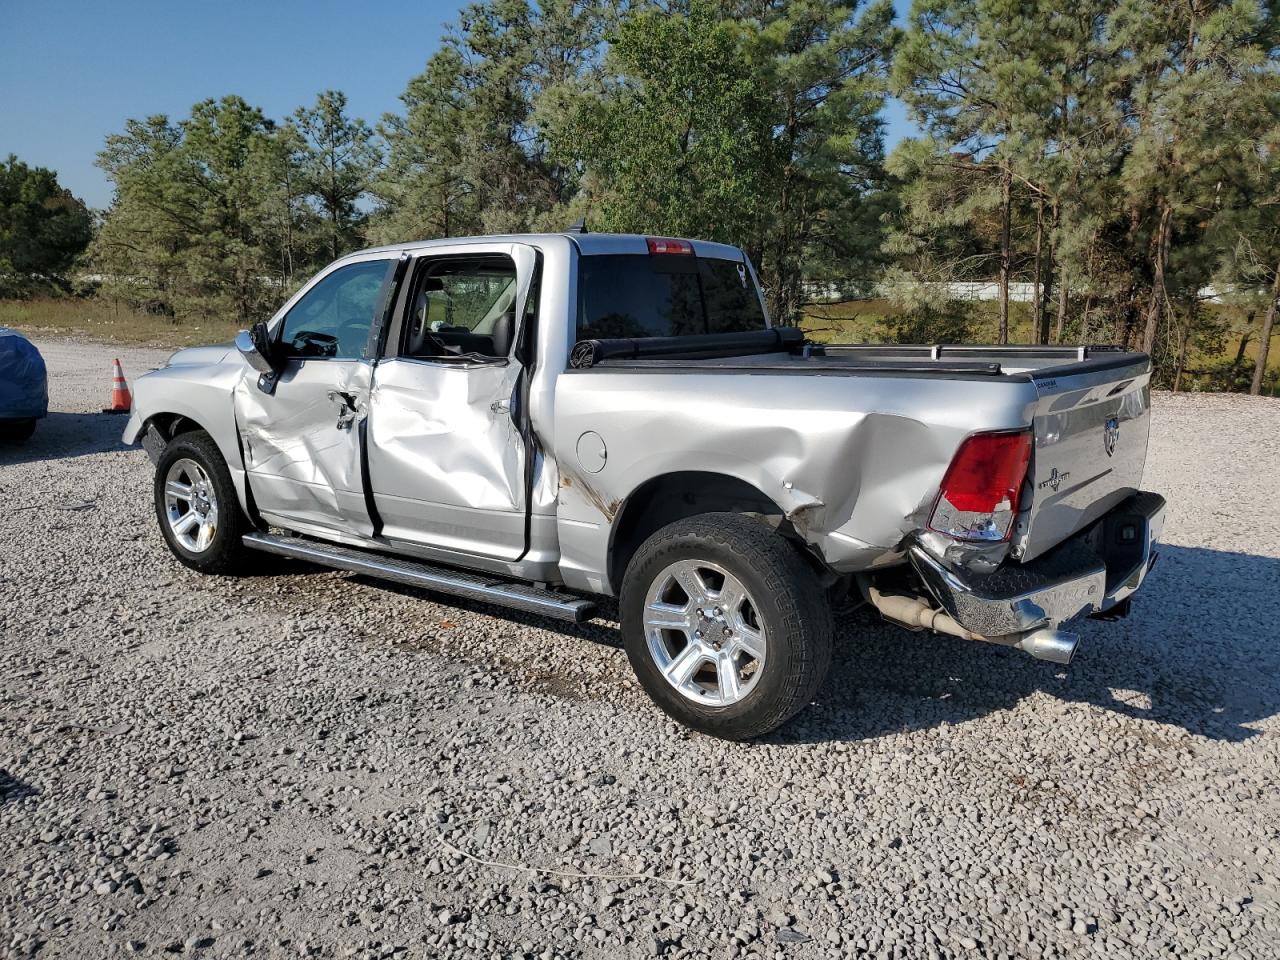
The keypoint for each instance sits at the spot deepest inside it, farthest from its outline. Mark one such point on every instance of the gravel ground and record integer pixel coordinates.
(305, 763)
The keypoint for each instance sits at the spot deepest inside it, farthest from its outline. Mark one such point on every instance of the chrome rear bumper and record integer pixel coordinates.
(1093, 572)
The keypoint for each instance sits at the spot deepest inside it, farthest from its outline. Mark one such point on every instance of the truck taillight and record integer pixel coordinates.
(668, 245)
(979, 495)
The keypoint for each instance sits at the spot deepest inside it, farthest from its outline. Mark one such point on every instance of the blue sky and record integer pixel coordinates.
(73, 72)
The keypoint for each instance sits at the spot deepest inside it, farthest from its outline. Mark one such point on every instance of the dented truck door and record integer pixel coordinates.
(448, 438)
(301, 435)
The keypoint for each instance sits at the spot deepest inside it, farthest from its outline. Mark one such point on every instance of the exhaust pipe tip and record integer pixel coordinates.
(1056, 646)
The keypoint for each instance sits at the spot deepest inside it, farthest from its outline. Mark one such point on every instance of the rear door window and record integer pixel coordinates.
(462, 306)
(638, 295)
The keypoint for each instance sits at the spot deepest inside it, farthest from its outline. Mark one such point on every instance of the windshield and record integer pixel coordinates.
(639, 295)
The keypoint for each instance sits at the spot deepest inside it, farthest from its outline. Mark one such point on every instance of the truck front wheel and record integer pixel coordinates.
(197, 507)
(725, 625)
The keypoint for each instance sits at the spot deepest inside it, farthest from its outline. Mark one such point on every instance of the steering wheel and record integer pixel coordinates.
(310, 343)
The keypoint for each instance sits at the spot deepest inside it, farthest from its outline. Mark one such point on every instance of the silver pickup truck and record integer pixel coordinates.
(538, 421)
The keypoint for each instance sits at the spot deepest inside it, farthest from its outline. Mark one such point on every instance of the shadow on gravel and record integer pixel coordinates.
(602, 631)
(63, 435)
(1198, 652)
(12, 789)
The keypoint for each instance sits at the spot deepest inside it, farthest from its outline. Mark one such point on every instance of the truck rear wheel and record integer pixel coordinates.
(197, 507)
(725, 625)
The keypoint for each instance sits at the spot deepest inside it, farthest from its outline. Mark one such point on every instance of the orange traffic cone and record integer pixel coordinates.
(121, 398)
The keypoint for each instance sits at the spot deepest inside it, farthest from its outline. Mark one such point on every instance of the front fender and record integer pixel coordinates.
(201, 394)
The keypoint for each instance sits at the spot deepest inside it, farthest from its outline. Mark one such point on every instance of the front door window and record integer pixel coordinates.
(333, 318)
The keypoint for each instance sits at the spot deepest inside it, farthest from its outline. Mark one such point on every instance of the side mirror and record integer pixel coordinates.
(255, 346)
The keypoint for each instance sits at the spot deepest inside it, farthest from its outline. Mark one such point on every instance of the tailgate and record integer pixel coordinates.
(1091, 424)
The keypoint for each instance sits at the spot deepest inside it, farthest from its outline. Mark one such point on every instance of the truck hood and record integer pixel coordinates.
(217, 353)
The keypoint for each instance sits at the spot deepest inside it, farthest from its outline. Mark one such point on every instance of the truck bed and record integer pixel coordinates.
(961, 360)
(1091, 423)
(1090, 411)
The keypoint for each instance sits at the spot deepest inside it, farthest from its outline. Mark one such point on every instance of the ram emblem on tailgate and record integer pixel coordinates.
(1111, 435)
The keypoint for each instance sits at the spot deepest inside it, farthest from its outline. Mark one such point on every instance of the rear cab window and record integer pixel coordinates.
(657, 295)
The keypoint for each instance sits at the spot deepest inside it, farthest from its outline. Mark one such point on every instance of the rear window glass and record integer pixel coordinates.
(639, 295)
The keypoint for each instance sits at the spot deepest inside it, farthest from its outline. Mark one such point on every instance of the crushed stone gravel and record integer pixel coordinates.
(305, 763)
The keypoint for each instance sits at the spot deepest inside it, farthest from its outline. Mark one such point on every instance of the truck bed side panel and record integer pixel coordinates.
(853, 461)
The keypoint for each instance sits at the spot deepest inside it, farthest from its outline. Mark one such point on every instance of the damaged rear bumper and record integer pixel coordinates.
(1094, 572)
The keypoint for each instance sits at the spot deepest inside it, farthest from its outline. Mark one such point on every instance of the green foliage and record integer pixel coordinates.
(43, 228)
(218, 214)
(951, 323)
(480, 147)
(1118, 155)
(1131, 134)
(751, 123)
(675, 142)
(336, 161)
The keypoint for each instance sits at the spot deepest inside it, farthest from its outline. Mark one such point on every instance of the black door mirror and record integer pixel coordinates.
(262, 342)
(255, 346)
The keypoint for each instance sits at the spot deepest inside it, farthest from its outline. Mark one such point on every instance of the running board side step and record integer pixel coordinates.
(456, 583)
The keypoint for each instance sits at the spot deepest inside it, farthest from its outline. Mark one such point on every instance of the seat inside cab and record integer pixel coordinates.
(462, 307)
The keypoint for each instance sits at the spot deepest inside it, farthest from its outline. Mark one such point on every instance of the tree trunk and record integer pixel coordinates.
(1264, 341)
(1047, 295)
(1244, 339)
(1159, 259)
(1127, 316)
(1037, 293)
(1062, 310)
(1184, 338)
(1006, 189)
(785, 268)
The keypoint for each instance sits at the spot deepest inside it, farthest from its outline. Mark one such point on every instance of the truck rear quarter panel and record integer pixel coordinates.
(853, 461)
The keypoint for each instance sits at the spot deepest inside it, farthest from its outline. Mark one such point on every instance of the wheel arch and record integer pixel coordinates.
(668, 497)
(170, 423)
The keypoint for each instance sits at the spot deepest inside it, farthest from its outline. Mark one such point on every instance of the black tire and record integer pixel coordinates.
(17, 431)
(226, 553)
(788, 601)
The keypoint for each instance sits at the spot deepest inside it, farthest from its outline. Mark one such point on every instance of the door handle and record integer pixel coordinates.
(347, 409)
(500, 406)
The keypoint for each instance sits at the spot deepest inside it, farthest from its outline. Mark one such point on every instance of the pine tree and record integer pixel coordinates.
(476, 149)
(43, 228)
(336, 163)
(755, 122)
(185, 233)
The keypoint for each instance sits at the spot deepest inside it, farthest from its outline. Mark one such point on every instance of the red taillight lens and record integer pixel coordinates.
(979, 495)
(668, 245)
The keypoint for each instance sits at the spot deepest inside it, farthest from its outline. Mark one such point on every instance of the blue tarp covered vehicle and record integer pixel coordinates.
(24, 386)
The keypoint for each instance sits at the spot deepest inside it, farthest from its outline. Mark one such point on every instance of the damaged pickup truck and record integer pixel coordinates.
(537, 421)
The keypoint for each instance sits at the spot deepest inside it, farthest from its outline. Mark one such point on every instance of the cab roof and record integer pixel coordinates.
(588, 244)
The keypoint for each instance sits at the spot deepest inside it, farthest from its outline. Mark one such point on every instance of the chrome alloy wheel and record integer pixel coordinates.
(704, 633)
(191, 505)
